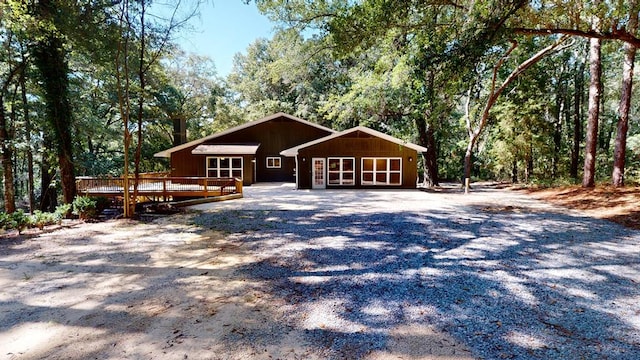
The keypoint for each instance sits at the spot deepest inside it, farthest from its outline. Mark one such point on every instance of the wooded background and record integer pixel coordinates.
(523, 91)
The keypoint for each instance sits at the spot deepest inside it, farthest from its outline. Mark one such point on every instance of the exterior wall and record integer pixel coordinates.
(183, 163)
(273, 136)
(358, 145)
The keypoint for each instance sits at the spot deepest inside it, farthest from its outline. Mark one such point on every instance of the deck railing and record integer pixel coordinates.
(165, 187)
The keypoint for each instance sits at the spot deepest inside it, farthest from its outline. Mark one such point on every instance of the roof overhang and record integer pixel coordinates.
(167, 153)
(226, 149)
(294, 150)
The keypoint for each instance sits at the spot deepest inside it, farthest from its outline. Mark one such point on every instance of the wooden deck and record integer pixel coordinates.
(165, 188)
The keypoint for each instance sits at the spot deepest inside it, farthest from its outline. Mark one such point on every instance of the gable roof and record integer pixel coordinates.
(167, 153)
(294, 150)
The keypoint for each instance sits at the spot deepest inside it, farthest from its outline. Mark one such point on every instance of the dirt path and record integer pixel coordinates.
(166, 290)
(333, 275)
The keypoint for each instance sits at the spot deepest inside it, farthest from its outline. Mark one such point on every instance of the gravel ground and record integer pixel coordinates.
(329, 275)
(504, 275)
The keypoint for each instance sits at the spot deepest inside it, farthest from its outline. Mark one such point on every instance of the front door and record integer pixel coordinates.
(318, 173)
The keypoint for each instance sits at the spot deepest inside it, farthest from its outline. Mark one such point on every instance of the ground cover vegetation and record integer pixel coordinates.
(523, 91)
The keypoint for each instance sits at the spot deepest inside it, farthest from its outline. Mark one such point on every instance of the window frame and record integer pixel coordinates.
(218, 168)
(341, 171)
(274, 158)
(375, 171)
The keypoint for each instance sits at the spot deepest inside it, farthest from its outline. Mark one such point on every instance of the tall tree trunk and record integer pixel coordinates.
(141, 97)
(577, 122)
(49, 56)
(619, 153)
(49, 197)
(595, 70)
(557, 133)
(27, 129)
(7, 162)
(427, 138)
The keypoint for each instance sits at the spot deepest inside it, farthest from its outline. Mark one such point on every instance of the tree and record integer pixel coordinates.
(50, 59)
(595, 70)
(475, 128)
(620, 150)
(142, 43)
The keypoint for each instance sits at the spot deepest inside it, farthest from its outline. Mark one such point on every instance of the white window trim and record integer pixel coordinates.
(388, 171)
(230, 168)
(341, 171)
(274, 158)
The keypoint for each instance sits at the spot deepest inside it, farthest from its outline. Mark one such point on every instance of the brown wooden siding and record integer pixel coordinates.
(183, 163)
(273, 136)
(358, 145)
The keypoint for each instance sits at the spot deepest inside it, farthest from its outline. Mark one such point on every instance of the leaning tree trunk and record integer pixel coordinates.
(595, 70)
(619, 154)
(49, 56)
(494, 93)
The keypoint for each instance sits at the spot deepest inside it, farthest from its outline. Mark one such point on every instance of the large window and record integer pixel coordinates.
(273, 162)
(224, 167)
(381, 171)
(341, 171)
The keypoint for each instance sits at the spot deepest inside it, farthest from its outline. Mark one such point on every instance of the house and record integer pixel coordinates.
(284, 148)
(358, 158)
(250, 151)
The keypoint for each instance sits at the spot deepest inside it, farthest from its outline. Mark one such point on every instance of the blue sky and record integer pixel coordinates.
(224, 28)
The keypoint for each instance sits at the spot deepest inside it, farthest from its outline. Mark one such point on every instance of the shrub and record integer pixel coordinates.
(84, 207)
(62, 212)
(41, 219)
(6, 221)
(21, 220)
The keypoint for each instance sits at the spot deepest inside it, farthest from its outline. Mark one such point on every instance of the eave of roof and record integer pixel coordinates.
(294, 150)
(167, 153)
(226, 149)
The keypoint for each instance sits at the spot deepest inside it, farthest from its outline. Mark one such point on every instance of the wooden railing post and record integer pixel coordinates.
(238, 186)
(204, 184)
(164, 189)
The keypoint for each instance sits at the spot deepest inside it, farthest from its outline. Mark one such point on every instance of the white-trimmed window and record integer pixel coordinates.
(274, 162)
(224, 167)
(341, 171)
(381, 171)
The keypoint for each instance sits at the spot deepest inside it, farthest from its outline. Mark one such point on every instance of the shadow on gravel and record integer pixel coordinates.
(507, 284)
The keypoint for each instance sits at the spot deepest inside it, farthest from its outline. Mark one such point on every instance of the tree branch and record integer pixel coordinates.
(616, 34)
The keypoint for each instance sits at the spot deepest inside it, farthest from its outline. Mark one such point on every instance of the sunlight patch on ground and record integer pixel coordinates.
(626, 309)
(567, 274)
(625, 271)
(514, 285)
(525, 340)
(379, 310)
(581, 293)
(324, 314)
(426, 272)
(310, 280)
(35, 338)
(478, 248)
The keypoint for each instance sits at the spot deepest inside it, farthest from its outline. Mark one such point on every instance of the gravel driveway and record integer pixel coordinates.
(330, 274)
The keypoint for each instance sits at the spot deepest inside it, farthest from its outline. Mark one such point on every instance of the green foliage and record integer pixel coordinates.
(20, 220)
(41, 219)
(84, 207)
(6, 221)
(62, 212)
